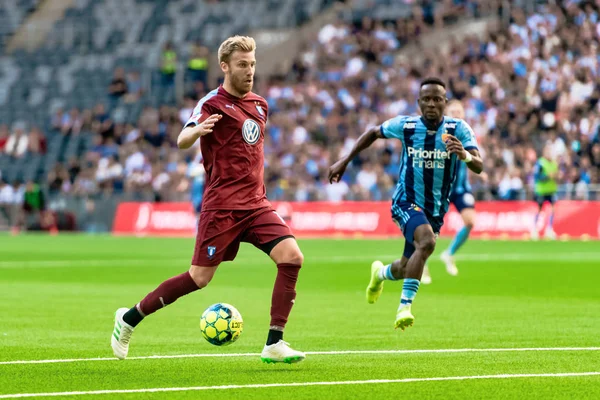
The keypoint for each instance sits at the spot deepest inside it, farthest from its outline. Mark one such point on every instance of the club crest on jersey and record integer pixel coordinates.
(211, 251)
(260, 110)
(251, 131)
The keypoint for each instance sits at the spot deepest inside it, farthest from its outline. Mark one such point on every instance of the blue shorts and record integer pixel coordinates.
(409, 217)
(462, 200)
(542, 198)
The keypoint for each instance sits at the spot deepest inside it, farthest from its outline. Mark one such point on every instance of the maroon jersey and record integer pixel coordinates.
(233, 152)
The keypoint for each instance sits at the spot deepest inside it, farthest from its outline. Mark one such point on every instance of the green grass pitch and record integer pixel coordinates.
(58, 296)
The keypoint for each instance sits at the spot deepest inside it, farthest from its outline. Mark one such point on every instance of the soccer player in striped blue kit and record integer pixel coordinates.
(432, 148)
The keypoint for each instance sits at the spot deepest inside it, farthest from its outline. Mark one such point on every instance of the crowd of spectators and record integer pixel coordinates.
(526, 84)
(533, 82)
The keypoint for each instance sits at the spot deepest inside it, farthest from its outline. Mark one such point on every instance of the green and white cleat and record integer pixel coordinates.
(375, 285)
(404, 318)
(281, 352)
(121, 335)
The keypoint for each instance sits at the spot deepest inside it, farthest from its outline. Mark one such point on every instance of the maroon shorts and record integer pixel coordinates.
(220, 233)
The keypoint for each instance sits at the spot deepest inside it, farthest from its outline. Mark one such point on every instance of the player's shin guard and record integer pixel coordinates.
(284, 294)
(166, 293)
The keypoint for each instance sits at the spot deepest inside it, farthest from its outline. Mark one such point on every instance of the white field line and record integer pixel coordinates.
(529, 257)
(300, 384)
(328, 353)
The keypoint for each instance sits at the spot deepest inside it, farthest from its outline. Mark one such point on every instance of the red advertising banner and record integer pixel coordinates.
(349, 218)
(515, 219)
(502, 219)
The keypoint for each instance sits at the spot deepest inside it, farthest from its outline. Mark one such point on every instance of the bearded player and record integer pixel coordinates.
(432, 147)
(230, 123)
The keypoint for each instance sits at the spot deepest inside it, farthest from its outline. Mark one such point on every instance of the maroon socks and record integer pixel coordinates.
(165, 294)
(284, 294)
(282, 301)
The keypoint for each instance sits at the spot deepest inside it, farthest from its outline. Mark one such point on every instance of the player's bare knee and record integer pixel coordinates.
(202, 282)
(469, 224)
(294, 257)
(202, 275)
(427, 244)
(287, 252)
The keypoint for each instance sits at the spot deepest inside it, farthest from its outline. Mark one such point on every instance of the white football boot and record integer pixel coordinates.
(121, 335)
(534, 235)
(281, 352)
(450, 264)
(550, 234)
(426, 277)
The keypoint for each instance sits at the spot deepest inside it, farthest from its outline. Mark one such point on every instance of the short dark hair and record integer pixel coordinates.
(433, 81)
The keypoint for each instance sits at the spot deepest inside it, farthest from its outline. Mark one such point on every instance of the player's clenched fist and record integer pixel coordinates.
(454, 146)
(207, 125)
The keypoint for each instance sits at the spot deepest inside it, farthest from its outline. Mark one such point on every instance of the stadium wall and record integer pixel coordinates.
(496, 219)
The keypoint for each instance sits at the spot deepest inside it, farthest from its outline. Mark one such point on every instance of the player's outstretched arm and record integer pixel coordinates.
(336, 171)
(188, 136)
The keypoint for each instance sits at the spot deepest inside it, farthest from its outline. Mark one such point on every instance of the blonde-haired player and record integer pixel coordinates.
(462, 198)
(235, 207)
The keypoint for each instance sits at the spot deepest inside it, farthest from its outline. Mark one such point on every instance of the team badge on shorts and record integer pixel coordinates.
(211, 251)
(251, 131)
(468, 199)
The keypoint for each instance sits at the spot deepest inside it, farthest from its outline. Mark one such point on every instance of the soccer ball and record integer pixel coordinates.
(221, 324)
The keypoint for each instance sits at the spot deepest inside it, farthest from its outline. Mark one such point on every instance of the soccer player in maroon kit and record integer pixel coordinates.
(230, 121)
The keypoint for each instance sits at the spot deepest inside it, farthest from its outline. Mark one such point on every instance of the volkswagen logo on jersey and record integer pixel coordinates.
(251, 131)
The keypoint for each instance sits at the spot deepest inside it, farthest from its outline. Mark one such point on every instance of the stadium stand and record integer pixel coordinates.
(94, 113)
(12, 14)
(512, 116)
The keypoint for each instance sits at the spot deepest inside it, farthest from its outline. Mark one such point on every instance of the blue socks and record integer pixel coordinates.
(460, 239)
(409, 291)
(385, 273)
(409, 287)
